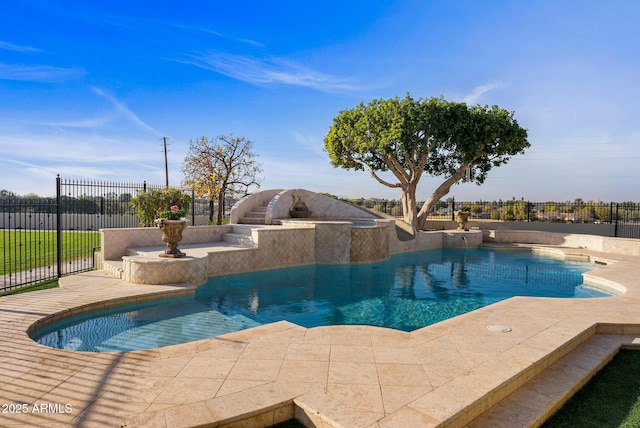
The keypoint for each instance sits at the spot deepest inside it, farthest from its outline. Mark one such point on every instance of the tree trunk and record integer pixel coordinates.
(440, 191)
(409, 210)
(211, 210)
(220, 206)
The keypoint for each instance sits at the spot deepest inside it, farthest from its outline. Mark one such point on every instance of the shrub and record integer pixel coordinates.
(153, 204)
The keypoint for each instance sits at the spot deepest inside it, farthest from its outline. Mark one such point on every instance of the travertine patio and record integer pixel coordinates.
(506, 365)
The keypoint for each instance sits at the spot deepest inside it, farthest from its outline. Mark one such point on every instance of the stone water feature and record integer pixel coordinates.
(299, 209)
(300, 228)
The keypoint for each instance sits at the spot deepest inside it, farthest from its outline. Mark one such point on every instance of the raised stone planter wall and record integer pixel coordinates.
(116, 241)
(596, 243)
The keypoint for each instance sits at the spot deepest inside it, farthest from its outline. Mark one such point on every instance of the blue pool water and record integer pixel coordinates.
(406, 292)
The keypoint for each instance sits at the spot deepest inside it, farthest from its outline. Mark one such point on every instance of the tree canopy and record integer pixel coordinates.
(214, 166)
(409, 137)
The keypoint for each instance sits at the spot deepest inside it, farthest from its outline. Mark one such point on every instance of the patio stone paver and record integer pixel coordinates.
(351, 376)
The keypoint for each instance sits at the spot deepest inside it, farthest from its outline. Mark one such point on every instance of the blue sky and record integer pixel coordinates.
(88, 89)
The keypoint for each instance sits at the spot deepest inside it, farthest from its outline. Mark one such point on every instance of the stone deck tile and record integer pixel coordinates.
(196, 250)
(344, 375)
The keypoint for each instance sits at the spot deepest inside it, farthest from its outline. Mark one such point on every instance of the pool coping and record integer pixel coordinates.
(447, 374)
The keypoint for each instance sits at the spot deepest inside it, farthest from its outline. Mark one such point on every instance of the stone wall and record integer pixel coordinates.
(591, 242)
(276, 248)
(143, 270)
(461, 239)
(295, 243)
(369, 244)
(333, 242)
(116, 241)
(580, 228)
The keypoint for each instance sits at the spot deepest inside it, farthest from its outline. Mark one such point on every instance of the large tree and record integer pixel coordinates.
(215, 166)
(410, 137)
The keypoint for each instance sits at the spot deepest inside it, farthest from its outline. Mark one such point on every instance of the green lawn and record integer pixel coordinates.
(610, 399)
(53, 283)
(23, 250)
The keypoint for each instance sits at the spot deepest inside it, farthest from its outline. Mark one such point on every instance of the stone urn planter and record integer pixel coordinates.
(172, 235)
(462, 217)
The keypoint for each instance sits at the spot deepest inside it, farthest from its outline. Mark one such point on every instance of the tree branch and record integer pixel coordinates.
(397, 170)
(443, 189)
(373, 174)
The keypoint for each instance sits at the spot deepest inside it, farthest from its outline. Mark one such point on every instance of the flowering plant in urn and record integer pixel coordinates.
(173, 213)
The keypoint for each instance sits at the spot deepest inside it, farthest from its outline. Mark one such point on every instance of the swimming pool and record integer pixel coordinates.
(406, 292)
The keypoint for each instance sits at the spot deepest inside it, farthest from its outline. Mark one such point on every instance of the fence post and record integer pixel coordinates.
(615, 230)
(453, 208)
(611, 213)
(193, 207)
(59, 225)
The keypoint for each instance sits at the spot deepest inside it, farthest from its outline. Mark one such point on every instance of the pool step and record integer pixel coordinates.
(113, 268)
(537, 399)
(238, 239)
(241, 235)
(255, 216)
(243, 229)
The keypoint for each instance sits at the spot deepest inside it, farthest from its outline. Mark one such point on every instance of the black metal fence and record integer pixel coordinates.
(46, 238)
(624, 215)
(29, 243)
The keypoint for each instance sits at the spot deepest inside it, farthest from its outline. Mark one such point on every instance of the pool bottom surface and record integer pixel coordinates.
(407, 292)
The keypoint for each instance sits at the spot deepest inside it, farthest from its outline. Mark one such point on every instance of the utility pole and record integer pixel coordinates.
(166, 164)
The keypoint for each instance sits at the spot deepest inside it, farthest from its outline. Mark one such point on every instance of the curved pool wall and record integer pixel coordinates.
(330, 233)
(406, 292)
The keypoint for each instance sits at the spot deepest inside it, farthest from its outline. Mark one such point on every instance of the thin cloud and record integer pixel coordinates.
(17, 48)
(271, 71)
(75, 147)
(479, 91)
(78, 123)
(205, 30)
(126, 112)
(312, 143)
(38, 73)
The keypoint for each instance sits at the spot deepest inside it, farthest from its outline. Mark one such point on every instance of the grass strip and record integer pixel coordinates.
(53, 283)
(23, 250)
(610, 399)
